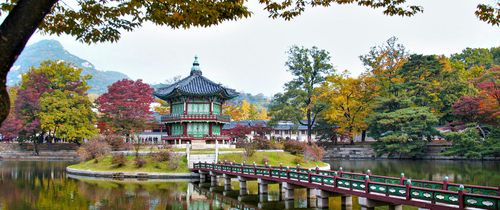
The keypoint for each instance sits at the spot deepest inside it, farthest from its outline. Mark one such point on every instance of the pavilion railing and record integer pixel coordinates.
(195, 117)
(406, 189)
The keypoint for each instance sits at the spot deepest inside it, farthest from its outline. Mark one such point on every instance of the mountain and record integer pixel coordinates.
(43, 50)
(260, 99)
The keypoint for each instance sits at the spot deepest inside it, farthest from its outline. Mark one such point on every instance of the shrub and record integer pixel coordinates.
(137, 148)
(294, 147)
(118, 160)
(265, 160)
(297, 160)
(163, 155)
(314, 152)
(173, 163)
(262, 143)
(249, 150)
(116, 142)
(93, 149)
(139, 162)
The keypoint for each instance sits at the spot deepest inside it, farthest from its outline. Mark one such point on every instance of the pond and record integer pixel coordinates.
(45, 185)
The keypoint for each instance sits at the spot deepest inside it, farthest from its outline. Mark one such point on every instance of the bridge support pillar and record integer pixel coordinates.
(213, 179)
(227, 182)
(263, 186)
(243, 185)
(366, 204)
(395, 207)
(203, 176)
(322, 198)
(346, 200)
(289, 191)
(369, 204)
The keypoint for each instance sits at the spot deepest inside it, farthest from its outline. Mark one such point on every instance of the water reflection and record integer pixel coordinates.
(45, 185)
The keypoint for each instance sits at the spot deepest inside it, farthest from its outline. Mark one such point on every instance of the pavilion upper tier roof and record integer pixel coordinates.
(195, 85)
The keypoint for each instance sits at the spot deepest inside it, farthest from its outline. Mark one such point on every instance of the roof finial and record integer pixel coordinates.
(196, 67)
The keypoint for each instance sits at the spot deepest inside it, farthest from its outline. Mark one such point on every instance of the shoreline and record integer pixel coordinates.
(136, 175)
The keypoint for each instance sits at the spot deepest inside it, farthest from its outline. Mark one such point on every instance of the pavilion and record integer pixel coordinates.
(196, 115)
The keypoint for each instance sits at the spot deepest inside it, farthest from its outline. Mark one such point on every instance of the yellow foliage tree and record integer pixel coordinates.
(348, 102)
(245, 111)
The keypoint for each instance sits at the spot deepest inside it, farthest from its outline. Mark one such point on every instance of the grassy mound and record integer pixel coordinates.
(272, 158)
(104, 165)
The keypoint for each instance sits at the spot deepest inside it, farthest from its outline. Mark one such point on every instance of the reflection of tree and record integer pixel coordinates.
(464, 172)
(43, 185)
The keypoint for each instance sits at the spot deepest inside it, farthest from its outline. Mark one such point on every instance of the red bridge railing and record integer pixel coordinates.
(426, 192)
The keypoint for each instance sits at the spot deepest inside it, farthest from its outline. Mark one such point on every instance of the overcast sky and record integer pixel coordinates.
(249, 55)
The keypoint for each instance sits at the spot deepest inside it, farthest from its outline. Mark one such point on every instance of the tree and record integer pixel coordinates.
(383, 63)
(309, 68)
(10, 128)
(400, 127)
(125, 107)
(100, 21)
(349, 102)
(67, 115)
(50, 76)
(245, 111)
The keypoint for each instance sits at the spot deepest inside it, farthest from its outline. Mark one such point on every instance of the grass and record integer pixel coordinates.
(273, 158)
(104, 165)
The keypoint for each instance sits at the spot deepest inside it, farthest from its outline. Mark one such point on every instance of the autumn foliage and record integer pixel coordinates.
(125, 108)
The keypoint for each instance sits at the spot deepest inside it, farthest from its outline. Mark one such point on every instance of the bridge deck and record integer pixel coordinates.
(420, 193)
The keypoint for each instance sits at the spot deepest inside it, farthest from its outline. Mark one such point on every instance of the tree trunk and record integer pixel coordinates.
(363, 136)
(309, 127)
(15, 31)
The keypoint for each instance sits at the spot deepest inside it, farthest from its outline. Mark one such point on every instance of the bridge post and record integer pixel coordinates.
(322, 198)
(227, 182)
(366, 204)
(203, 175)
(346, 200)
(289, 191)
(395, 207)
(263, 186)
(243, 185)
(213, 179)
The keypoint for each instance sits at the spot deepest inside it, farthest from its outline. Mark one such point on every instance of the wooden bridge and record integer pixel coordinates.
(372, 190)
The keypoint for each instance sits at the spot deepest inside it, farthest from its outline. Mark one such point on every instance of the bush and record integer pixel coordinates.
(118, 160)
(116, 142)
(294, 147)
(249, 150)
(93, 149)
(173, 163)
(139, 162)
(265, 160)
(163, 155)
(314, 152)
(297, 160)
(262, 143)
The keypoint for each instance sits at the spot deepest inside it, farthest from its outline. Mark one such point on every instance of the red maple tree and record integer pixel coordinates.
(125, 108)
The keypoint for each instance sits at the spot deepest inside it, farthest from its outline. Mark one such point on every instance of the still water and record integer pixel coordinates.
(45, 185)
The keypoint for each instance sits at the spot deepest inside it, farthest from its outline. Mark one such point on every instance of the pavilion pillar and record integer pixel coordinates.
(203, 176)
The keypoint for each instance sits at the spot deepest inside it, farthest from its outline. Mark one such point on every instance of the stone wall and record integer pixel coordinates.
(365, 151)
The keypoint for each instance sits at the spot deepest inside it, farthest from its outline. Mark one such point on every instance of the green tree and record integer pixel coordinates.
(400, 128)
(67, 115)
(299, 102)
